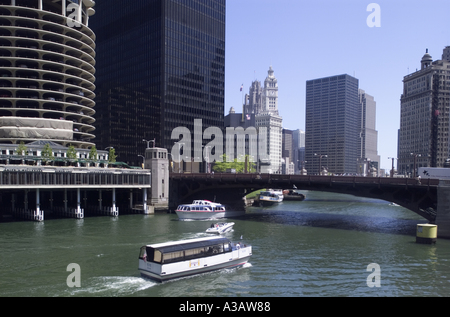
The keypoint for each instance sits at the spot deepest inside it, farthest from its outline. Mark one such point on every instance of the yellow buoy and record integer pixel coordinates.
(426, 233)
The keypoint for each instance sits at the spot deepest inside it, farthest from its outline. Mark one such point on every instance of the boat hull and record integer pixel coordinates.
(162, 273)
(204, 215)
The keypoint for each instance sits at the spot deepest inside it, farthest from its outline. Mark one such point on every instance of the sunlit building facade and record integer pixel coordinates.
(424, 116)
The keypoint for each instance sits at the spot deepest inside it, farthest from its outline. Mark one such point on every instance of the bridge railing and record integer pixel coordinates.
(268, 178)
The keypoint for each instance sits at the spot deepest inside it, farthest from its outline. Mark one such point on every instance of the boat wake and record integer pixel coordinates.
(112, 286)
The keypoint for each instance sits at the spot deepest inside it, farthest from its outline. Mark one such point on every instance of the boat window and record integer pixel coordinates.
(142, 252)
(194, 252)
(173, 256)
(157, 256)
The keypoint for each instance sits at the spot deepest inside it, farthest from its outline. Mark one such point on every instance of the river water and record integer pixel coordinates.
(318, 247)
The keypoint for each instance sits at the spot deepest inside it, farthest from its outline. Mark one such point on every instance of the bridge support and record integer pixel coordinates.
(443, 210)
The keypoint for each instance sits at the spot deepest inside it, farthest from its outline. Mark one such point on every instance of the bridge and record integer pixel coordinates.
(430, 198)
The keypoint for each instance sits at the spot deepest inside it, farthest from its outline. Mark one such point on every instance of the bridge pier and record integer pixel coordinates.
(443, 209)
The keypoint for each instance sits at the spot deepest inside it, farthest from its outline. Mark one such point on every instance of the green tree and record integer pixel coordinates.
(112, 155)
(21, 149)
(47, 153)
(236, 164)
(71, 153)
(93, 153)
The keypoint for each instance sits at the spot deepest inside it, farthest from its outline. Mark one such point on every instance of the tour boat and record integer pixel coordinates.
(205, 209)
(166, 261)
(221, 227)
(268, 198)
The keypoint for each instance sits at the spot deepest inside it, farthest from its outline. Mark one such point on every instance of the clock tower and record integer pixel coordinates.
(271, 93)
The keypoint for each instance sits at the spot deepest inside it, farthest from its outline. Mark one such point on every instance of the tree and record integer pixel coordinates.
(71, 153)
(21, 149)
(47, 153)
(112, 155)
(237, 165)
(93, 153)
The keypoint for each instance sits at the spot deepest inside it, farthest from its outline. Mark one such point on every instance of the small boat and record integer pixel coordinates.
(205, 209)
(221, 227)
(269, 198)
(290, 194)
(166, 261)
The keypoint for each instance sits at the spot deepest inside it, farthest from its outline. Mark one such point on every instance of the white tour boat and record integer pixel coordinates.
(221, 227)
(205, 209)
(270, 197)
(165, 261)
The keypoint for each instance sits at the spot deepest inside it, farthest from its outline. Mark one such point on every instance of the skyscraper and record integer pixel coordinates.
(333, 124)
(369, 134)
(424, 117)
(161, 64)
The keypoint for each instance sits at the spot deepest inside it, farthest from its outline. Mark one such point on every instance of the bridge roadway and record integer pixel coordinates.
(419, 196)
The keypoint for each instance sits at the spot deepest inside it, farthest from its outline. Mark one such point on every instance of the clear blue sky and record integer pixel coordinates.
(304, 40)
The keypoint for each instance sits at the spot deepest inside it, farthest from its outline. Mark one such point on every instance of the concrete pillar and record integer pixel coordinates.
(443, 210)
(64, 6)
(40, 6)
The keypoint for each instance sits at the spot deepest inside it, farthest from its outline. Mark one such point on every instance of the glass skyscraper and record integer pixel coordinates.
(160, 65)
(333, 124)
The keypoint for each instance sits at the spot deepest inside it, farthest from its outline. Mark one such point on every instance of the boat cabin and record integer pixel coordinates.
(172, 252)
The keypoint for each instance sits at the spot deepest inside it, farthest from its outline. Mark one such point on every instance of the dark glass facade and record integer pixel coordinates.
(160, 65)
(333, 124)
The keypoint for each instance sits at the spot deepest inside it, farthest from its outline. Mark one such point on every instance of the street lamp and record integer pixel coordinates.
(320, 161)
(415, 161)
(143, 161)
(148, 142)
(392, 169)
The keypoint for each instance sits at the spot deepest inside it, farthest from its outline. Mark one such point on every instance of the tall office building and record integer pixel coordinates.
(333, 124)
(47, 73)
(369, 158)
(424, 117)
(161, 64)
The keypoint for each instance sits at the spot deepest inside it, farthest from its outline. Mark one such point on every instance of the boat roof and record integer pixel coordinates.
(174, 246)
(200, 202)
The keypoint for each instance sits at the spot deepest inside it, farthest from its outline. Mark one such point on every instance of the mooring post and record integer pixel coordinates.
(144, 199)
(78, 201)
(114, 199)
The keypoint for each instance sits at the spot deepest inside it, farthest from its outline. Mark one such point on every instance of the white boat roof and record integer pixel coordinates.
(203, 203)
(170, 243)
